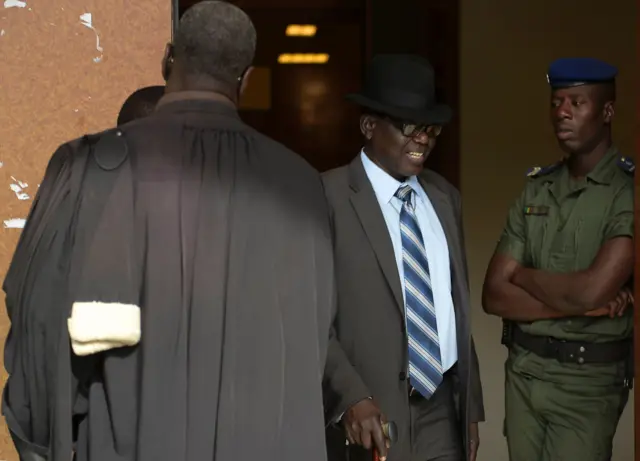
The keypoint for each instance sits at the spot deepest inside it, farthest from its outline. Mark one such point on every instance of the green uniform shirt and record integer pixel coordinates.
(558, 224)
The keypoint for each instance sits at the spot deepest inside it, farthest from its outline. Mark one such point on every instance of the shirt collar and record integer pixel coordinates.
(602, 173)
(384, 185)
(605, 169)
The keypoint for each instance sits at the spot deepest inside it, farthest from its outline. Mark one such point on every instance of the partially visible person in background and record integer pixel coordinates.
(171, 295)
(140, 103)
(559, 278)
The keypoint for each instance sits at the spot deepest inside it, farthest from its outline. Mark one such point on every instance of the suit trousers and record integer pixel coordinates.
(434, 430)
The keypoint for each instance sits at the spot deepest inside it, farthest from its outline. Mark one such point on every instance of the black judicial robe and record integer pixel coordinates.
(221, 237)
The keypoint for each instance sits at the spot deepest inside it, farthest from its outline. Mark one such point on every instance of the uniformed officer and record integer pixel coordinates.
(558, 278)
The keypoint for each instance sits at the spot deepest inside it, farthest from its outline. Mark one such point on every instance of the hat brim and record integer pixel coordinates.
(440, 114)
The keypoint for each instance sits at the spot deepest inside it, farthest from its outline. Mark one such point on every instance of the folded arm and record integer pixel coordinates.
(579, 292)
(500, 296)
(504, 299)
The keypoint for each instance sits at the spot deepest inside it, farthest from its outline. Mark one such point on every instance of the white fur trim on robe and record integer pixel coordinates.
(95, 327)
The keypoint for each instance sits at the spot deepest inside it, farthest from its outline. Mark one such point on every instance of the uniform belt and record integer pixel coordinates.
(572, 351)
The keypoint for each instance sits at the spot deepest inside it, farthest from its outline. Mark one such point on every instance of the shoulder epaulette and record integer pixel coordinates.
(110, 149)
(627, 165)
(538, 171)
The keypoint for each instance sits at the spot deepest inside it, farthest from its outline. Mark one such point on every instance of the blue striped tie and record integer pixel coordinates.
(425, 365)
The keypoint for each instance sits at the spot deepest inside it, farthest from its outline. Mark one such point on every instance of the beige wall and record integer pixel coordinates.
(506, 47)
(57, 83)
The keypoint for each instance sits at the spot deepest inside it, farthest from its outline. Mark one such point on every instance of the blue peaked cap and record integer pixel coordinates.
(567, 72)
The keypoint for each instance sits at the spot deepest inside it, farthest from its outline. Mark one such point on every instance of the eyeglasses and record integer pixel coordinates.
(411, 130)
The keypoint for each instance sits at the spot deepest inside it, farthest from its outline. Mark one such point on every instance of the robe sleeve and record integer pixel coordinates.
(46, 198)
(66, 247)
(105, 312)
(32, 287)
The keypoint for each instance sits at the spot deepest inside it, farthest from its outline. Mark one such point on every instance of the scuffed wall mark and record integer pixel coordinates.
(18, 187)
(87, 21)
(15, 223)
(14, 4)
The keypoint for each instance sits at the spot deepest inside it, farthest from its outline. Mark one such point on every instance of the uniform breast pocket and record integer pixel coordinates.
(563, 261)
(588, 238)
(575, 246)
(564, 247)
(537, 233)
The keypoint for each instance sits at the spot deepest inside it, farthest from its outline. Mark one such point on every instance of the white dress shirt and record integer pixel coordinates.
(435, 243)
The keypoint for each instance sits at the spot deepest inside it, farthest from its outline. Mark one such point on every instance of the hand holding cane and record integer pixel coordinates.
(390, 431)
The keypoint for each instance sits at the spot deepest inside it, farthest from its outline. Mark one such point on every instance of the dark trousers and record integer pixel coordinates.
(435, 431)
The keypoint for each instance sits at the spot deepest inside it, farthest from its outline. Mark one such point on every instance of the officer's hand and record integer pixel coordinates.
(615, 307)
(619, 305)
(600, 312)
(363, 424)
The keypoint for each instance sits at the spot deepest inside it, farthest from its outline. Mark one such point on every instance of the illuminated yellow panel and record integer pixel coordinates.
(257, 94)
(301, 30)
(303, 58)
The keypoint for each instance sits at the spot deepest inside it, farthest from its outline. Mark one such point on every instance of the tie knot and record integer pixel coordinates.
(404, 193)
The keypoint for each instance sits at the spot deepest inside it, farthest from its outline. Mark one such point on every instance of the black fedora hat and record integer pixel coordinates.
(402, 86)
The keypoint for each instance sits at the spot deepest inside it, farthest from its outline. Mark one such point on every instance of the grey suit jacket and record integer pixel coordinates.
(368, 349)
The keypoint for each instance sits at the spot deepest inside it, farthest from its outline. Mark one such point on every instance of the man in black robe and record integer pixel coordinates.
(171, 294)
(140, 103)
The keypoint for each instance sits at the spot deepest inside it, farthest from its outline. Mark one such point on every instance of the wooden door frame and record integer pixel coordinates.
(636, 329)
(636, 412)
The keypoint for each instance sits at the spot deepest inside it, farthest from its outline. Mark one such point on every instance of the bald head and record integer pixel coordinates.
(215, 39)
(140, 103)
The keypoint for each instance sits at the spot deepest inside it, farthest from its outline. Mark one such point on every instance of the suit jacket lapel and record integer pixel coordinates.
(367, 208)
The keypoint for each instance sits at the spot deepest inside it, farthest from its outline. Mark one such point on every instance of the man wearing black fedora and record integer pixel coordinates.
(401, 347)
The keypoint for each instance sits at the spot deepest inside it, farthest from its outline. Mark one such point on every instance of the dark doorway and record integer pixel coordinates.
(303, 105)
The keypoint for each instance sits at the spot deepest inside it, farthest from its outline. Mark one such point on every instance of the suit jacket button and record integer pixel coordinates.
(402, 376)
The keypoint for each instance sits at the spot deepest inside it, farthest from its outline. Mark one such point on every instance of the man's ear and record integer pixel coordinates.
(367, 125)
(609, 111)
(244, 79)
(167, 62)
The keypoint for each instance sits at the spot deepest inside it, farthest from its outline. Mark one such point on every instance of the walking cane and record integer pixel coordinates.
(390, 431)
